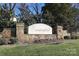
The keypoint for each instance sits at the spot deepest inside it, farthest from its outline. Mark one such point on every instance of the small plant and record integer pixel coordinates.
(13, 40)
(2, 41)
(66, 37)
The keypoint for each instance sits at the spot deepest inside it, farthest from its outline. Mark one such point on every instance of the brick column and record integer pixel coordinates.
(20, 32)
(6, 34)
(60, 34)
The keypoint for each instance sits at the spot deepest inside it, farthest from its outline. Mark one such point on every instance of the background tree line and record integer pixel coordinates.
(53, 14)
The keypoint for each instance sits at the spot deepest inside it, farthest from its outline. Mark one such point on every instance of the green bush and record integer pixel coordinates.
(13, 40)
(77, 37)
(2, 41)
(67, 37)
(73, 37)
(9, 41)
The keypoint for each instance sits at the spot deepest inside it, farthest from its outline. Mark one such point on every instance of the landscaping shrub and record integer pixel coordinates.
(73, 37)
(77, 37)
(9, 41)
(13, 40)
(66, 37)
(2, 41)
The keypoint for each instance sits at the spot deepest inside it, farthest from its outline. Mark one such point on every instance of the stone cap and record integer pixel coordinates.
(60, 27)
(19, 24)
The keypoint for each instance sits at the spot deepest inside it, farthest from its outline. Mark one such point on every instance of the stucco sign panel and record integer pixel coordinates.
(39, 28)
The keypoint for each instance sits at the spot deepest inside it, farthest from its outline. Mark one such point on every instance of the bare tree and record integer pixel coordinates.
(7, 10)
(25, 15)
(35, 10)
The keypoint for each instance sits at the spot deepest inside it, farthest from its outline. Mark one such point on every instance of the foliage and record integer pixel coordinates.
(25, 15)
(2, 41)
(13, 40)
(35, 9)
(6, 12)
(59, 14)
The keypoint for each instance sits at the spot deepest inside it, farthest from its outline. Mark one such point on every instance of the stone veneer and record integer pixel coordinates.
(30, 38)
(6, 33)
(60, 32)
(20, 31)
(33, 38)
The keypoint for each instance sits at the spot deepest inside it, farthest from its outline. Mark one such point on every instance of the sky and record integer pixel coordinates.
(30, 7)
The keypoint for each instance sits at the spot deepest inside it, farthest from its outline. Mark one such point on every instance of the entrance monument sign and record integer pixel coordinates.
(39, 28)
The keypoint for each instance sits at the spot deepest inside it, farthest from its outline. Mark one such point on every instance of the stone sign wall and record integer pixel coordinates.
(20, 32)
(60, 34)
(66, 33)
(41, 38)
(6, 33)
(38, 33)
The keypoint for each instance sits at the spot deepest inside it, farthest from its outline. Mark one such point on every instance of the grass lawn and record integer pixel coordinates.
(69, 47)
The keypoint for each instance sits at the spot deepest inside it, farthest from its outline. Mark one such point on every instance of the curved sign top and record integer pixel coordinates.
(39, 28)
